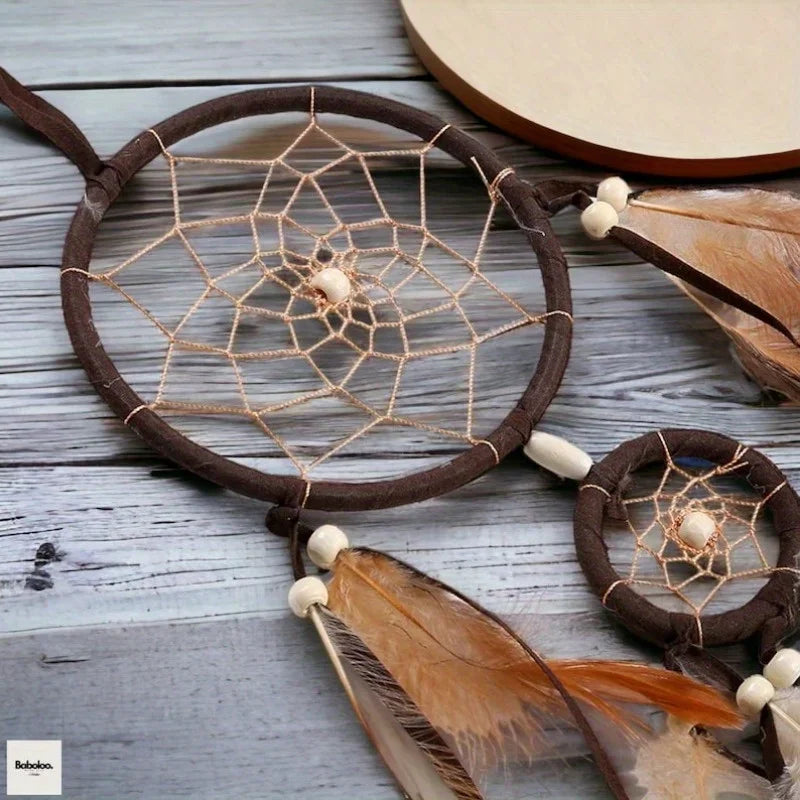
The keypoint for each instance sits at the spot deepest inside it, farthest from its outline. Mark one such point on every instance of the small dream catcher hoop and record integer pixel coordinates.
(689, 537)
(691, 528)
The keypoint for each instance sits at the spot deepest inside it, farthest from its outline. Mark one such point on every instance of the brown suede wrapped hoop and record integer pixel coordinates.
(103, 188)
(771, 613)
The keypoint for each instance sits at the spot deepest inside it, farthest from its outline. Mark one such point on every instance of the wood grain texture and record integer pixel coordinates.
(162, 655)
(165, 43)
(271, 722)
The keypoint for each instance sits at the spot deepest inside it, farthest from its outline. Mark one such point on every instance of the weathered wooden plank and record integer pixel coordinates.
(206, 40)
(156, 547)
(166, 548)
(42, 188)
(243, 707)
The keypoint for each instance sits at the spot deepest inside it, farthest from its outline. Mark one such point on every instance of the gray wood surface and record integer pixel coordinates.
(159, 647)
(55, 43)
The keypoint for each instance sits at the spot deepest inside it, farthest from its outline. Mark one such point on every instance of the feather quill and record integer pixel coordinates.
(736, 253)
(423, 764)
(474, 680)
(785, 708)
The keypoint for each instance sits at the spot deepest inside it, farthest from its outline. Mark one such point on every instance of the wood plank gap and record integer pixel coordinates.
(205, 82)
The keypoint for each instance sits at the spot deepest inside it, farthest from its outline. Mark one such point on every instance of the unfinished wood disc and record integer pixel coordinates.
(669, 88)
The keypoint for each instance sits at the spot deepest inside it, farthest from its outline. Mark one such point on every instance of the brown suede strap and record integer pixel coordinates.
(51, 123)
(554, 194)
(602, 759)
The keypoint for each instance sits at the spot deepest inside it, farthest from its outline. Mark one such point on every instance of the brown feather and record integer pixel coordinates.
(623, 682)
(764, 353)
(423, 764)
(748, 239)
(746, 243)
(473, 679)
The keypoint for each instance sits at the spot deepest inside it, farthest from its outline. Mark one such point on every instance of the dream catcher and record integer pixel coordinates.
(327, 309)
(314, 309)
(694, 527)
(672, 530)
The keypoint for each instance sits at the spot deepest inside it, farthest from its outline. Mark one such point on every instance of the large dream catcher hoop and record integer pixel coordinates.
(313, 303)
(346, 278)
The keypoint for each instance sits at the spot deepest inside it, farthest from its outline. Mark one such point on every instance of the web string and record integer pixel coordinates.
(680, 567)
(373, 298)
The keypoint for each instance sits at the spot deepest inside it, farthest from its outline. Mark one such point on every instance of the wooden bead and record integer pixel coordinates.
(753, 694)
(614, 191)
(558, 455)
(696, 529)
(325, 544)
(598, 219)
(333, 283)
(305, 593)
(783, 669)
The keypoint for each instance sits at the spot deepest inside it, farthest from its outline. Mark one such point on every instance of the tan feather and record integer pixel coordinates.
(682, 765)
(474, 679)
(423, 764)
(739, 254)
(764, 353)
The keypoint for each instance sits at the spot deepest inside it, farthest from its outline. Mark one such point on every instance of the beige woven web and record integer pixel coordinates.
(676, 575)
(413, 297)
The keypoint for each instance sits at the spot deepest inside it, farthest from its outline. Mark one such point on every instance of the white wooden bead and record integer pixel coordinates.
(614, 191)
(598, 219)
(783, 669)
(325, 544)
(305, 593)
(696, 529)
(558, 455)
(753, 694)
(333, 282)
